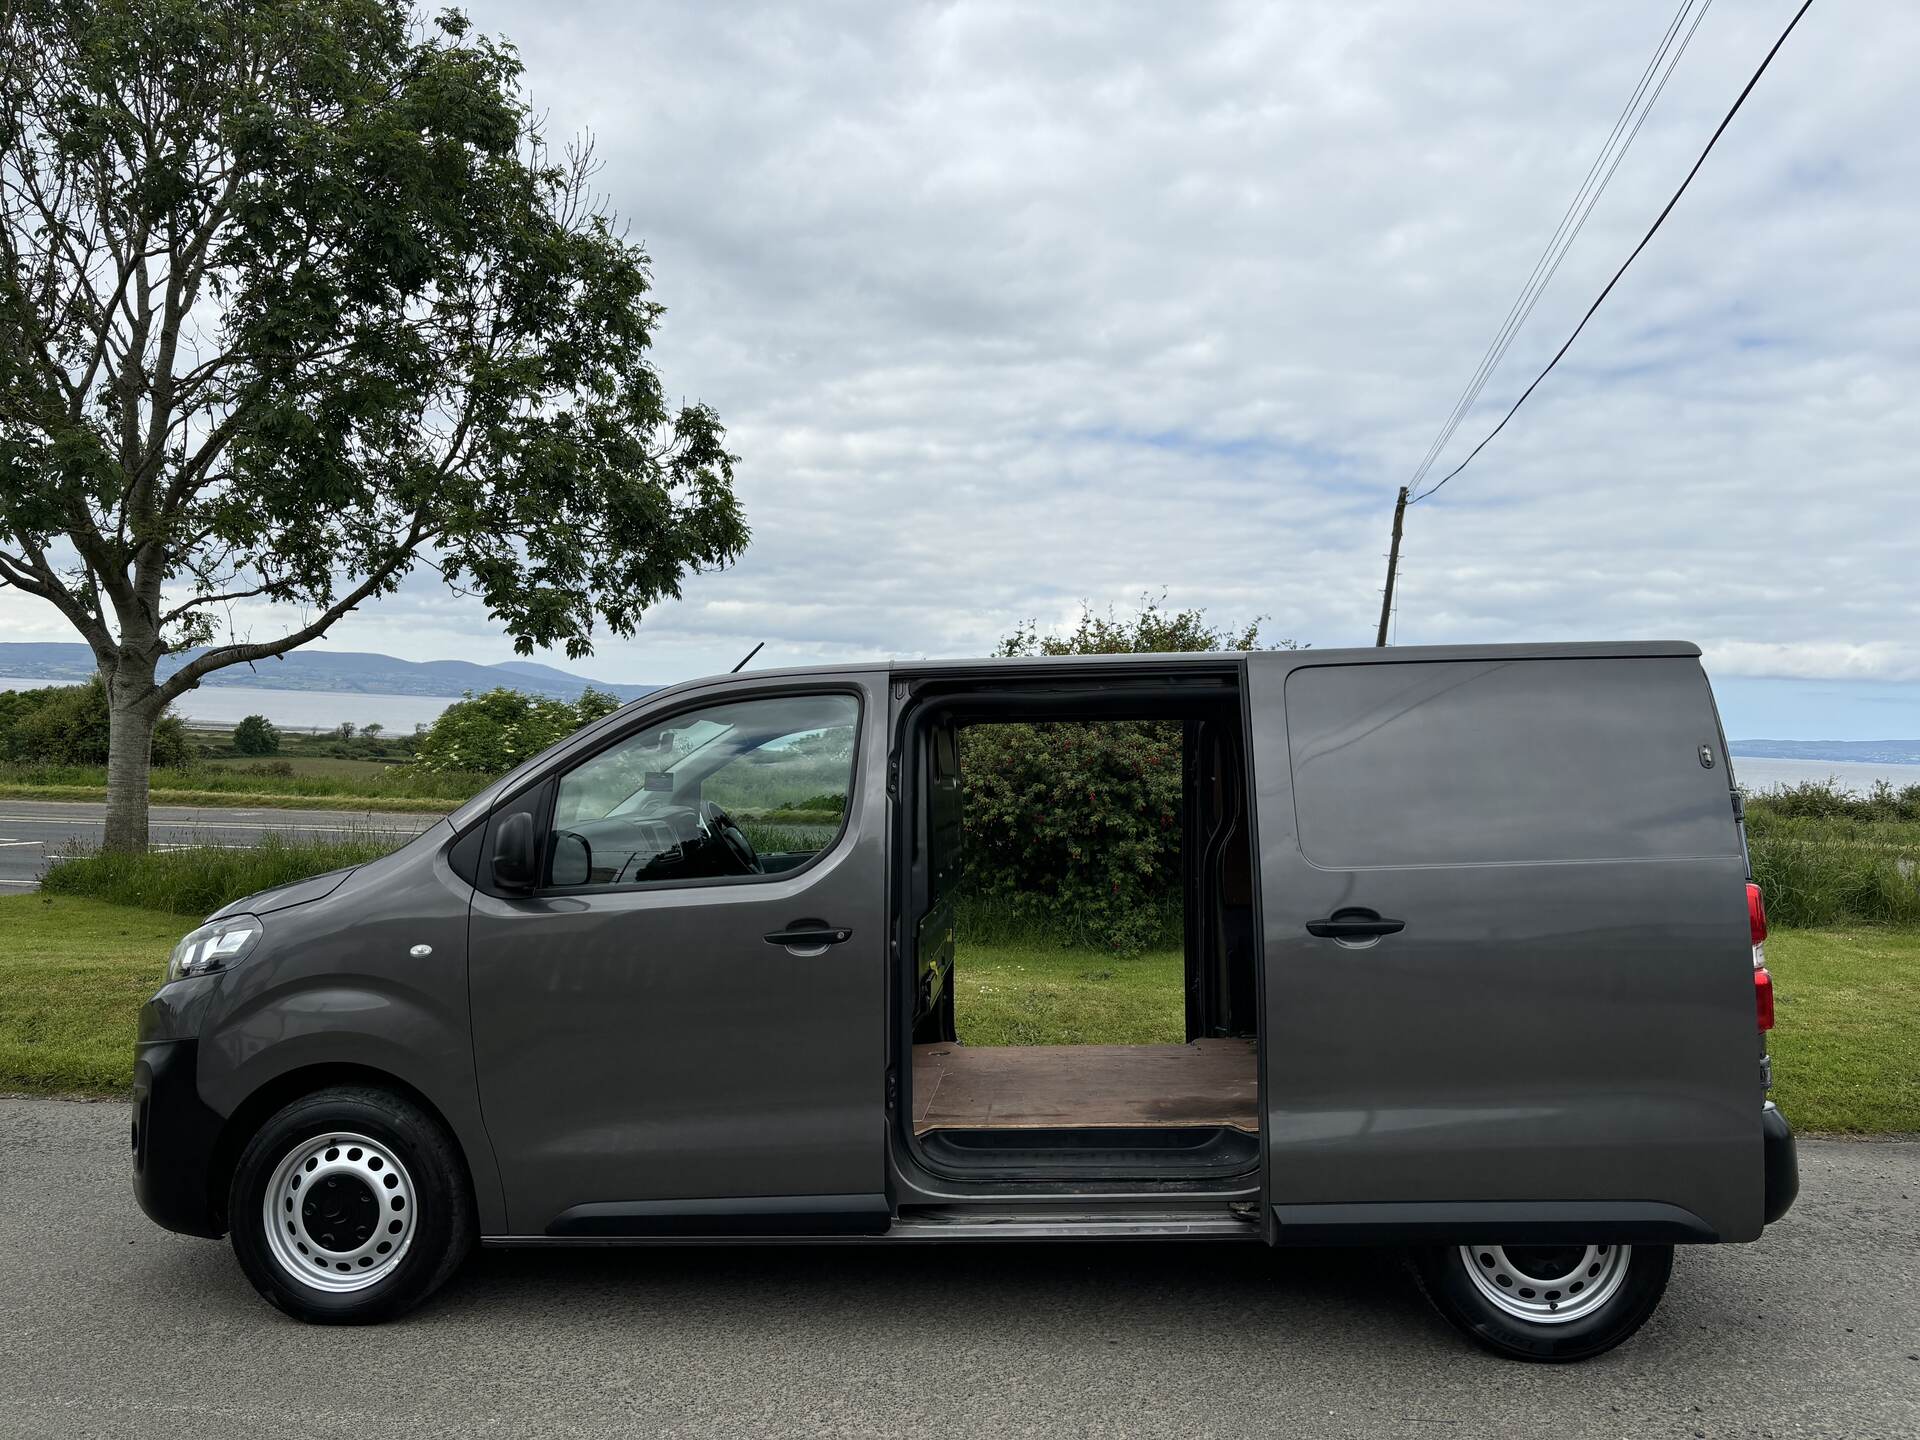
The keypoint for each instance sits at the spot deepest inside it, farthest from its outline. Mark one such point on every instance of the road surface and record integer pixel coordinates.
(34, 833)
(109, 1326)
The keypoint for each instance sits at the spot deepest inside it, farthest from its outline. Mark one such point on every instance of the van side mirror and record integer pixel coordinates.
(515, 866)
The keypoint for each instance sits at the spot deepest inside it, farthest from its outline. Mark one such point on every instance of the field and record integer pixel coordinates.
(1846, 1048)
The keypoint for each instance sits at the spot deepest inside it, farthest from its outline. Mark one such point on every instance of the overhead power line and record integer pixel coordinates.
(1651, 231)
(1594, 184)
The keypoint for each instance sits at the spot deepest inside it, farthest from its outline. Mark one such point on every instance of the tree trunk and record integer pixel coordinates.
(131, 719)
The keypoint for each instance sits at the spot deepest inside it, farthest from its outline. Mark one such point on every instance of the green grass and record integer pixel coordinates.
(75, 977)
(1846, 1047)
(199, 881)
(1027, 993)
(316, 783)
(1846, 1037)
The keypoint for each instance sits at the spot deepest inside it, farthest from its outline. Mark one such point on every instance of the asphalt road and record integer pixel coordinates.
(34, 832)
(109, 1326)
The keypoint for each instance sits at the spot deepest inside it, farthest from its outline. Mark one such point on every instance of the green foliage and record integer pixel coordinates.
(1826, 800)
(68, 725)
(1825, 856)
(1150, 630)
(1077, 826)
(297, 292)
(199, 880)
(257, 735)
(491, 733)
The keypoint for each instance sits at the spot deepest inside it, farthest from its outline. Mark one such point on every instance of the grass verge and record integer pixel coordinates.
(78, 972)
(198, 881)
(1846, 1038)
(1846, 1050)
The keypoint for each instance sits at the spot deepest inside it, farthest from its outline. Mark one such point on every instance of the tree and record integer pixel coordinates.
(295, 297)
(256, 735)
(494, 732)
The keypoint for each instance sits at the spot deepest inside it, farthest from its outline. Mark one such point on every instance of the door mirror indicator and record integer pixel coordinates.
(514, 864)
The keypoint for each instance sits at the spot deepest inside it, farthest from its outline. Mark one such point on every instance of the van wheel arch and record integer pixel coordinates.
(260, 1106)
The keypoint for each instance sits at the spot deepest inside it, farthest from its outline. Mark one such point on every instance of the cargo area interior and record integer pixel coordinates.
(1085, 1111)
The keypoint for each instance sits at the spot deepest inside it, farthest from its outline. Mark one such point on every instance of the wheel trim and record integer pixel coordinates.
(1543, 1285)
(339, 1212)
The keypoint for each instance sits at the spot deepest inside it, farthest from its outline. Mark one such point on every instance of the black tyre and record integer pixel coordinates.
(1545, 1302)
(350, 1206)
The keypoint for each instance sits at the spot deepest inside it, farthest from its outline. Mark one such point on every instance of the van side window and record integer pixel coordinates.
(745, 788)
(1469, 762)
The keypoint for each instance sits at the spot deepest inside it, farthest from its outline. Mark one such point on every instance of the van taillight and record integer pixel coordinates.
(1762, 981)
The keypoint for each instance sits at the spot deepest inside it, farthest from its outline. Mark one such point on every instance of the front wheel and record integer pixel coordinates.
(350, 1206)
(1545, 1302)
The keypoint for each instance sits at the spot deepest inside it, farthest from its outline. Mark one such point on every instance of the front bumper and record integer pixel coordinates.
(1781, 1164)
(174, 1134)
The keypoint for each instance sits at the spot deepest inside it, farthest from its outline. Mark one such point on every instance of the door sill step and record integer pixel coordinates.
(1070, 1225)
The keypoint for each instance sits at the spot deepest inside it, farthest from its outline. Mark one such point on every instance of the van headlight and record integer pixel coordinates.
(214, 946)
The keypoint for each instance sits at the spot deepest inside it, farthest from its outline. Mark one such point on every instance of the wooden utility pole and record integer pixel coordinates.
(1393, 564)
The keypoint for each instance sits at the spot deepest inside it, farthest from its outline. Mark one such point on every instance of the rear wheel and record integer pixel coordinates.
(1546, 1302)
(350, 1206)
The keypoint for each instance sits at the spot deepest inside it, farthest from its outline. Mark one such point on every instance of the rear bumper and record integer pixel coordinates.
(174, 1133)
(1781, 1164)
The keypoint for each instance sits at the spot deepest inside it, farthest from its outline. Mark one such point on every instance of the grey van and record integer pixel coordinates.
(1473, 966)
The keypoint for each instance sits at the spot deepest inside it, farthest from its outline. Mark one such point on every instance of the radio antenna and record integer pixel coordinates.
(748, 656)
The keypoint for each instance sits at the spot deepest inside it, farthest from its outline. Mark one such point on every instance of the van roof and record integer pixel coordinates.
(1204, 659)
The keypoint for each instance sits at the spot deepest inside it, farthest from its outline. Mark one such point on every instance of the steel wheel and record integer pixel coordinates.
(339, 1212)
(1547, 1284)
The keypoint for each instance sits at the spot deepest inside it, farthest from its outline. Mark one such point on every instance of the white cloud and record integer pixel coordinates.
(1009, 306)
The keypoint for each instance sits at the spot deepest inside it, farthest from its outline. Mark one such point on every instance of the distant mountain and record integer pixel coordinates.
(352, 672)
(1870, 752)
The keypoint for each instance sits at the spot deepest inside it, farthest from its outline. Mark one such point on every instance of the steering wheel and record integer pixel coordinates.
(724, 828)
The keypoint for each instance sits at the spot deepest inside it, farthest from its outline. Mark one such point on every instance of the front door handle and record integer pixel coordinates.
(1355, 924)
(813, 935)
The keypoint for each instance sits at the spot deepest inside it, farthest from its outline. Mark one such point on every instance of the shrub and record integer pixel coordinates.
(494, 732)
(1826, 856)
(1826, 800)
(1076, 827)
(199, 880)
(69, 725)
(256, 735)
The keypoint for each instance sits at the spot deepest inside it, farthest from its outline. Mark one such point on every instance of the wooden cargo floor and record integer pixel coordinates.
(978, 1087)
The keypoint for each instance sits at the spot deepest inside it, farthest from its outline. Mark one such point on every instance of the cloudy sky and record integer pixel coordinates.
(1011, 307)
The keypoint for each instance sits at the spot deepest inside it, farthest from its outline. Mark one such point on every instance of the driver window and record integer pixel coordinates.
(752, 787)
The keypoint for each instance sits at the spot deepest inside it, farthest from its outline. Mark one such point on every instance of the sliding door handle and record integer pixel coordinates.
(1355, 924)
(809, 935)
